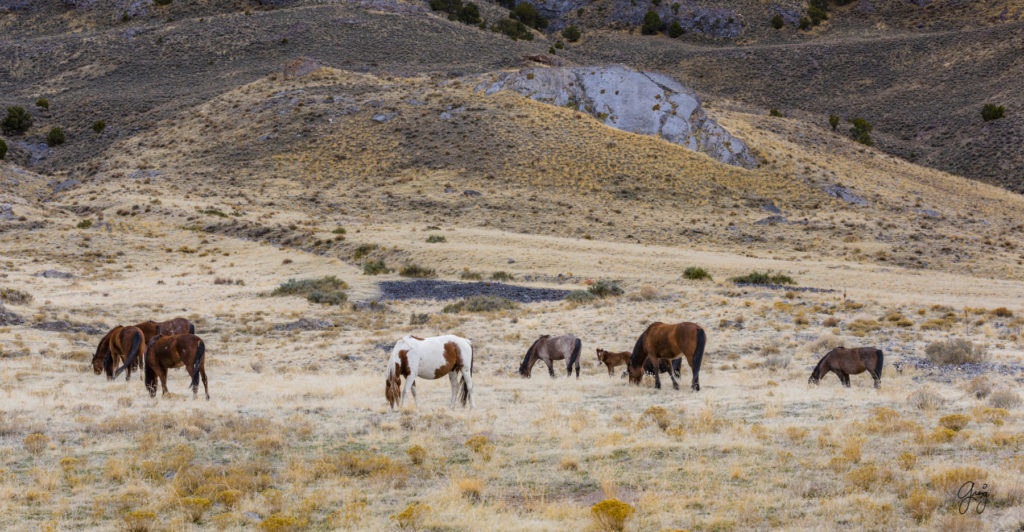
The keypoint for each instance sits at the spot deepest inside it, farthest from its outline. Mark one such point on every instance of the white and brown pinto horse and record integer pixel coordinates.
(430, 358)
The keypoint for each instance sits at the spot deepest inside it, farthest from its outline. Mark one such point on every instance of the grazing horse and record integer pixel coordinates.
(548, 348)
(103, 359)
(430, 358)
(613, 360)
(167, 352)
(667, 342)
(119, 345)
(845, 362)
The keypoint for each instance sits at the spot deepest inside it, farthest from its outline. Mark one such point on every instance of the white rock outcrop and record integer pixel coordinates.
(639, 102)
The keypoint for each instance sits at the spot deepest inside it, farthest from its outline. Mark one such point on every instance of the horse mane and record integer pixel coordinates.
(635, 359)
(529, 353)
(816, 372)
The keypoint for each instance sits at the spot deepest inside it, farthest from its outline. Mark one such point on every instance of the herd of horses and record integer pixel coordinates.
(156, 347)
(659, 349)
(153, 347)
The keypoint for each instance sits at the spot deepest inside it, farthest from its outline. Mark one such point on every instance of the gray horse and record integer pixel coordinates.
(548, 348)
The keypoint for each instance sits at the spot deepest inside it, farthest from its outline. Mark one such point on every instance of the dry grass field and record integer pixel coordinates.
(218, 179)
(297, 435)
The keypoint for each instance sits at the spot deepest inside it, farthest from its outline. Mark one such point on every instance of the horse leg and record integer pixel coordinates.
(202, 373)
(149, 376)
(163, 379)
(609, 370)
(551, 368)
(454, 379)
(672, 375)
(844, 378)
(657, 377)
(415, 400)
(469, 386)
(406, 389)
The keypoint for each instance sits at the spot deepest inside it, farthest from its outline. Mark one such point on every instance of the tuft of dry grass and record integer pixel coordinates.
(956, 351)
(611, 514)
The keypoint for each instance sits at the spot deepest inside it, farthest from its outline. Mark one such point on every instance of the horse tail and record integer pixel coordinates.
(133, 353)
(529, 354)
(574, 358)
(677, 366)
(698, 353)
(191, 328)
(639, 353)
(878, 363)
(200, 351)
(463, 385)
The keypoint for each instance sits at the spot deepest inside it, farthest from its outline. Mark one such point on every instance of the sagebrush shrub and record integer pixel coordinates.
(991, 111)
(652, 23)
(777, 22)
(955, 351)
(17, 121)
(571, 33)
(55, 137)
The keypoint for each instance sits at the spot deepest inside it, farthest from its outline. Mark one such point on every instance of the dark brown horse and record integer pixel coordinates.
(103, 360)
(547, 348)
(167, 352)
(668, 342)
(613, 360)
(845, 362)
(119, 345)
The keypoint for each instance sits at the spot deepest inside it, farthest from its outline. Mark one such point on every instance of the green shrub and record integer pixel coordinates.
(483, 303)
(695, 273)
(502, 276)
(436, 239)
(991, 111)
(817, 14)
(471, 276)
(861, 131)
(805, 23)
(17, 121)
(339, 230)
(328, 290)
(580, 296)
(415, 270)
(605, 289)
(514, 29)
(418, 319)
(527, 14)
(763, 278)
(162, 2)
(675, 29)
(55, 137)
(470, 14)
(3, 149)
(775, 112)
(777, 22)
(571, 33)
(559, 44)
(833, 121)
(98, 126)
(375, 267)
(448, 6)
(652, 23)
(363, 250)
(43, 103)
(84, 224)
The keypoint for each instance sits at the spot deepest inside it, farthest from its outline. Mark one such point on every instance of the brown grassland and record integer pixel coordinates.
(209, 208)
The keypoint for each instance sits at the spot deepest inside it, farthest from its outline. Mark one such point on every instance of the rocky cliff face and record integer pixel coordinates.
(639, 102)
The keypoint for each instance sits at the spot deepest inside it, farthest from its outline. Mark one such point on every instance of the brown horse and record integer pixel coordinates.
(547, 348)
(613, 360)
(845, 362)
(119, 345)
(668, 342)
(167, 352)
(103, 359)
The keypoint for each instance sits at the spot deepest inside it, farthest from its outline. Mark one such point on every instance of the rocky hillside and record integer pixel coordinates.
(639, 102)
